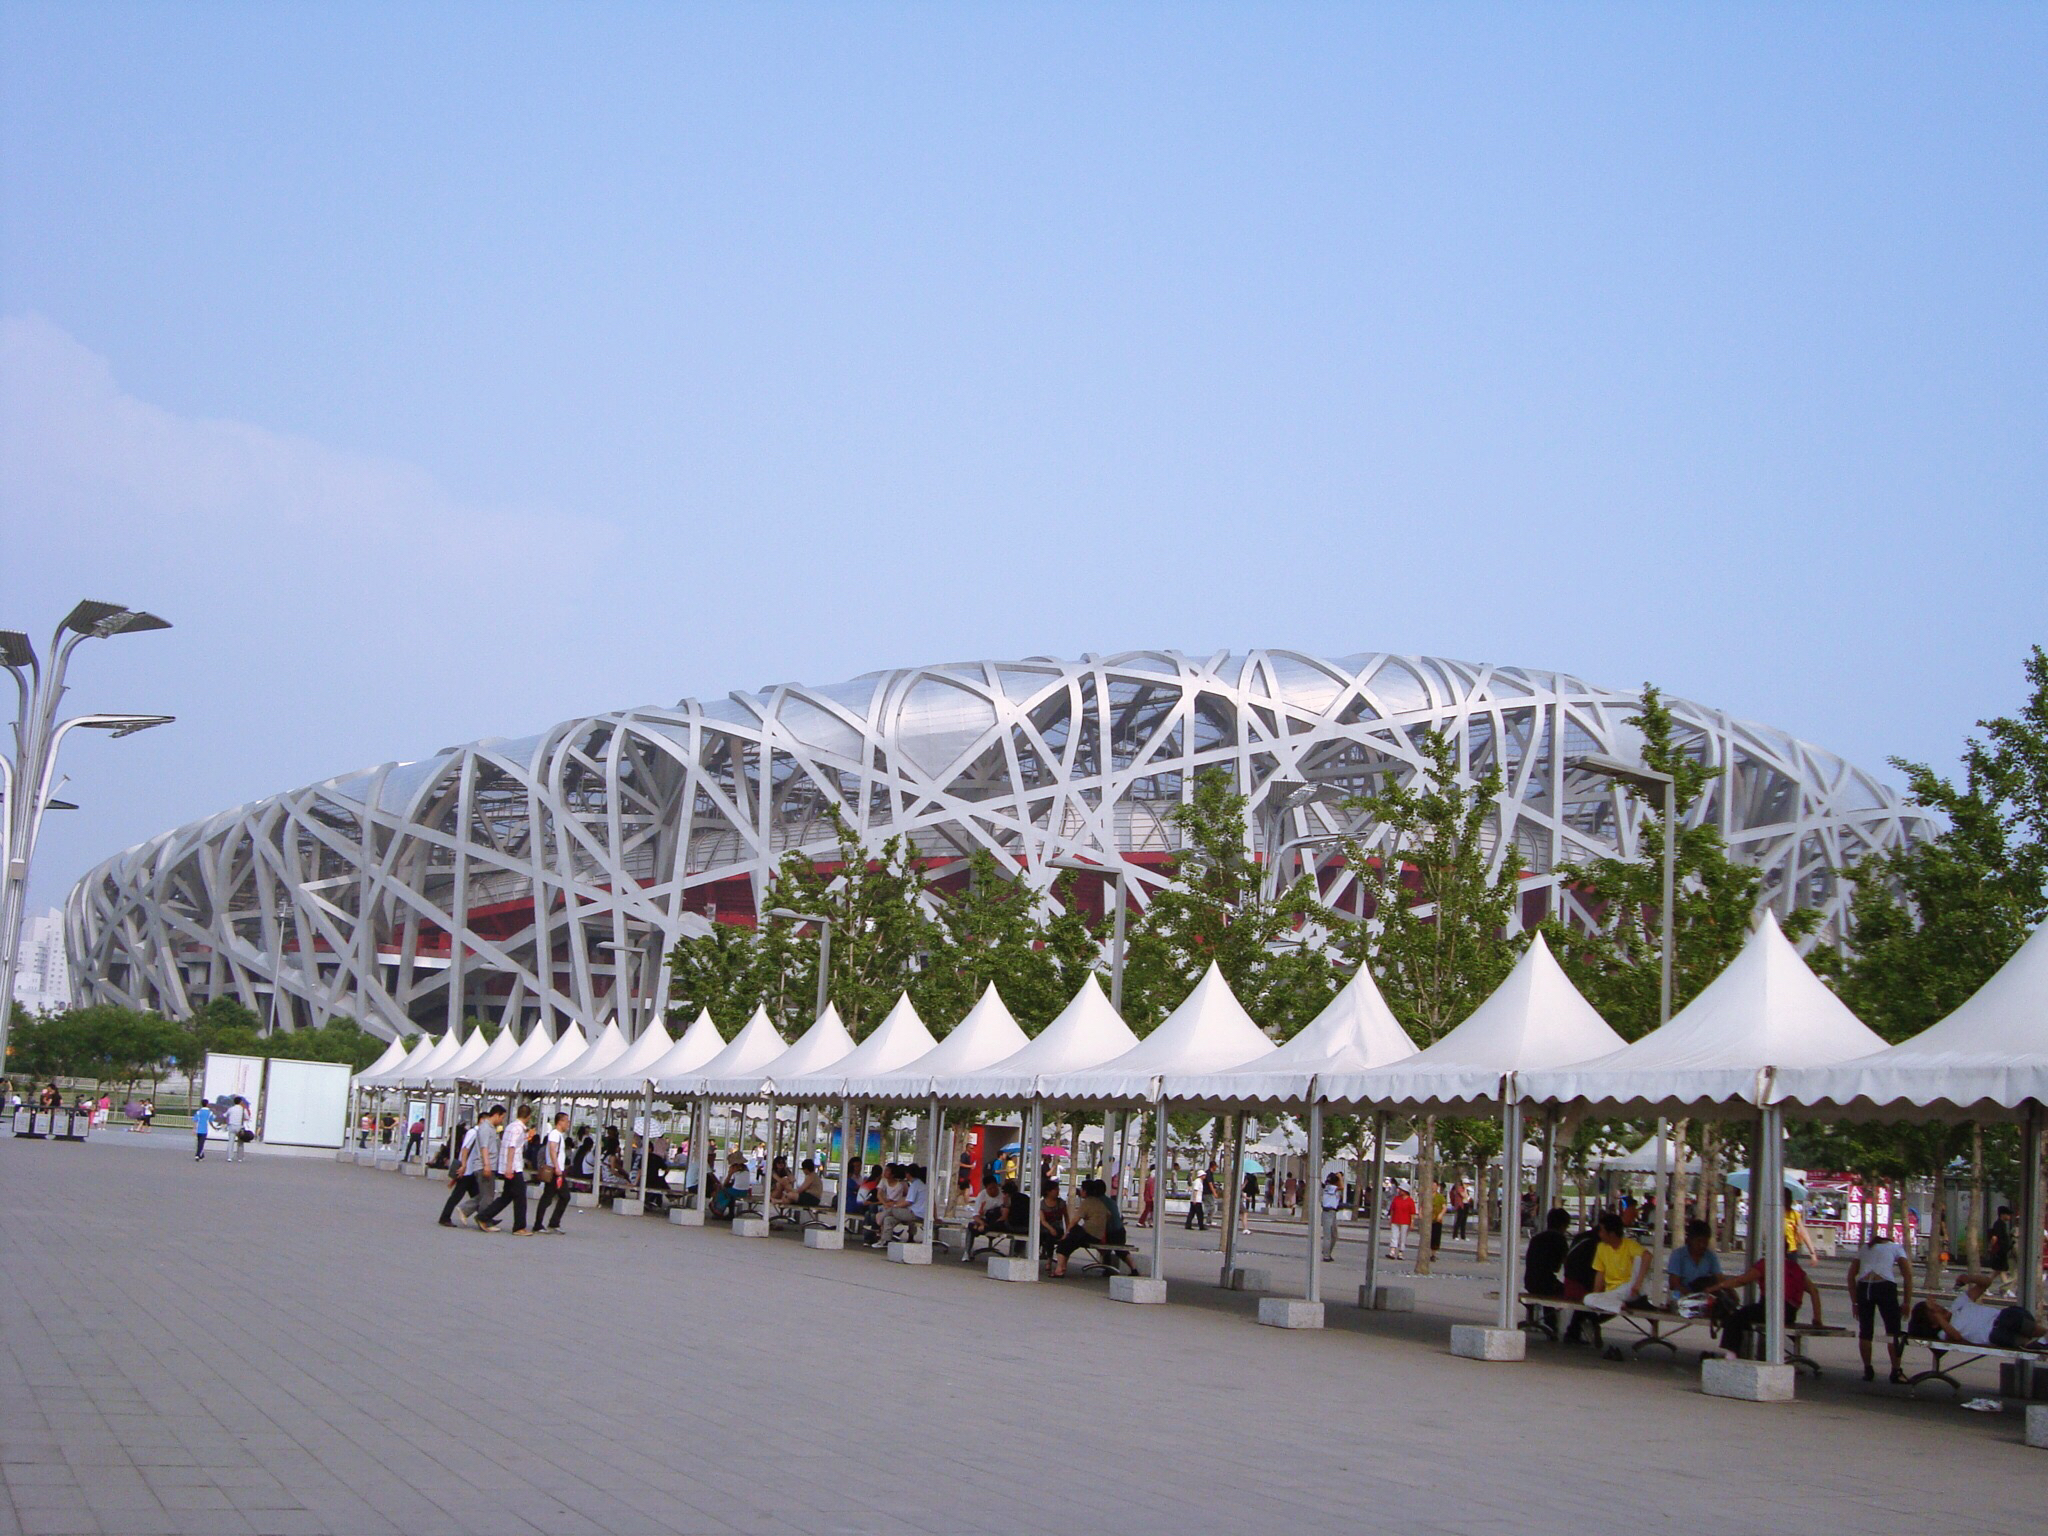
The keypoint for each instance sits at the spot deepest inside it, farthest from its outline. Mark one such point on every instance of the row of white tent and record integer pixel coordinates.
(1766, 1037)
(1767, 1032)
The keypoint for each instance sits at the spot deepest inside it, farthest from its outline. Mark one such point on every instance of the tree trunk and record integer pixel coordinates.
(1425, 1190)
(1973, 1224)
(1931, 1280)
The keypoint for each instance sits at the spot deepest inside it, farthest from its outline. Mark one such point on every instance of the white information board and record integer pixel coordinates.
(308, 1103)
(225, 1076)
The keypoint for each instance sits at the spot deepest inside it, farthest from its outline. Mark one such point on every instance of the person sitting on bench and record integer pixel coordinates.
(738, 1187)
(1970, 1319)
(1543, 1262)
(1016, 1212)
(1621, 1265)
(1743, 1321)
(781, 1184)
(1096, 1223)
(810, 1189)
(986, 1213)
(1579, 1280)
(1693, 1267)
(1052, 1214)
(907, 1208)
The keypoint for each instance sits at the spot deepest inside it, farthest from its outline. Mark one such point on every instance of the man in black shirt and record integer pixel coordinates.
(1544, 1260)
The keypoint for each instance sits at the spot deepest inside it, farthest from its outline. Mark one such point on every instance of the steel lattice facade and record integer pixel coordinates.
(524, 879)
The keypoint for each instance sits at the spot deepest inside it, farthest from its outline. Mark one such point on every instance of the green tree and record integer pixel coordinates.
(1216, 911)
(1439, 908)
(996, 929)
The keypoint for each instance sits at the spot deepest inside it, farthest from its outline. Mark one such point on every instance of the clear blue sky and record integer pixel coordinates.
(444, 371)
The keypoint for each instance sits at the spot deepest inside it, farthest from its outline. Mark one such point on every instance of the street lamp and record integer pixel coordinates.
(25, 781)
(824, 947)
(1661, 790)
(1117, 873)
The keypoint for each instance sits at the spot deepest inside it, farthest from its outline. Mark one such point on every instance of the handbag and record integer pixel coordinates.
(245, 1134)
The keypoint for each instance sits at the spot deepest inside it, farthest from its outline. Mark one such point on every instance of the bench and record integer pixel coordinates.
(1944, 1370)
(804, 1217)
(1000, 1244)
(1656, 1326)
(1107, 1258)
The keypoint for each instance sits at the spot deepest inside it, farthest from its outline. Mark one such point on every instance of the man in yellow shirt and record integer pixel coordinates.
(1620, 1267)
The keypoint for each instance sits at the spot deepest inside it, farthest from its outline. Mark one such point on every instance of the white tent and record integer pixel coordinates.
(1411, 1149)
(747, 1052)
(607, 1048)
(1208, 1032)
(1535, 1018)
(394, 1056)
(897, 1041)
(1766, 1011)
(1086, 1034)
(494, 1059)
(563, 1054)
(1643, 1159)
(626, 1073)
(1986, 1061)
(825, 1042)
(533, 1051)
(1355, 1033)
(423, 1064)
(458, 1067)
(986, 1036)
(699, 1044)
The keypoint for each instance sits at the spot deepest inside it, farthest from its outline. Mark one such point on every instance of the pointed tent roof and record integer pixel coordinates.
(607, 1048)
(1765, 1012)
(986, 1036)
(1208, 1032)
(898, 1040)
(1356, 1032)
(1535, 1018)
(1643, 1159)
(423, 1064)
(495, 1057)
(1086, 1034)
(564, 1053)
(696, 1047)
(1987, 1059)
(394, 1055)
(533, 1050)
(457, 1068)
(751, 1049)
(825, 1042)
(627, 1072)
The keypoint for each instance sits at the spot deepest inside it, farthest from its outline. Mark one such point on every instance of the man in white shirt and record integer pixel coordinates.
(512, 1163)
(908, 1209)
(1881, 1285)
(238, 1121)
(554, 1176)
(1970, 1319)
(1333, 1201)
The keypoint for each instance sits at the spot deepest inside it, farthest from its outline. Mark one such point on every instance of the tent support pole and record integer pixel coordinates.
(1510, 1200)
(1375, 1205)
(847, 1176)
(1034, 1187)
(1233, 1198)
(932, 1175)
(2027, 1242)
(1769, 1222)
(646, 1140)
(1159, 1190)
(1314, 1199)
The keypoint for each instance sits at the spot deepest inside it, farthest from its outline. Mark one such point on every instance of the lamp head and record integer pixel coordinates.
(15, 649)
(99, 620)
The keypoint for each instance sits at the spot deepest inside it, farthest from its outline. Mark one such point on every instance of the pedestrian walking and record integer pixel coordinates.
(461, 1185)
(1247, 1198)
(1400, 1217)
(1145, 1212)
(512, 1163)
(485, 1166)
(202, 1123)
(1436, 1218)
(1333, 1201)
(554, 1176)
(415, 1138)
(1198, 1210)
(239, 1133)
(1461, 1210)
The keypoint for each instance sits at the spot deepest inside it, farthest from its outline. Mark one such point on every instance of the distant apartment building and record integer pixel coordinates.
(42, 981)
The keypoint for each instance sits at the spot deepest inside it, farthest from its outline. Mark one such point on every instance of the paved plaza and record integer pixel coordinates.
(292, 1345)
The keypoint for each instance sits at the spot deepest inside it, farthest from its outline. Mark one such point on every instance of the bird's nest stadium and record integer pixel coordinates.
(544, 878)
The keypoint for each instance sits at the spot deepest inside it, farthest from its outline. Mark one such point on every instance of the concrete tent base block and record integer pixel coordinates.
(2037, 1426)
(1019, 1270)
(1747, 1381)
(1387, 1298)
(1137, 1289)
(621, 1206)
(750, 1226)
(584, 1202)
(1243, 1279)
(1470, 1342)
(414, 1170)
(909, 1253)
(818, 1237)
(1290, 1312)
(364, 1159)
(686, 1216)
